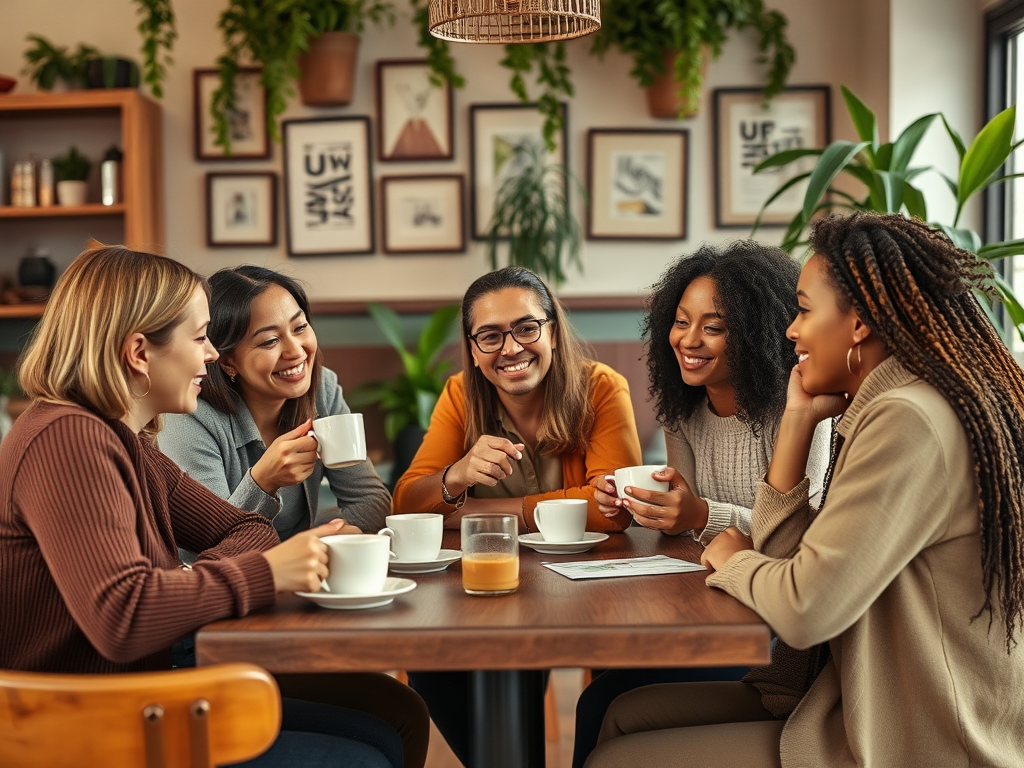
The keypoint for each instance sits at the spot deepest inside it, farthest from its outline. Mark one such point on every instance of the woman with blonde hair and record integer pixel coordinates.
(92, 514)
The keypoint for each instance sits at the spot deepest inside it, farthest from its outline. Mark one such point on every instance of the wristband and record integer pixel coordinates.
(459, 500)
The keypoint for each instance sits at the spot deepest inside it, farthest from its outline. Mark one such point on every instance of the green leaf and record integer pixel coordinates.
(913, 198)
(986, 154)
(1011, 303)
(785, 157)
(997, 251)
(906, 144)
(892, 190)
(775, 195)
(387, 321)
(836, 156)
(958, 142)
(864, 120)
(964, 238)
(437, 331)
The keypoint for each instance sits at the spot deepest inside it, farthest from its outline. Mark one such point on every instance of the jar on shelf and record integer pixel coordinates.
(35, 270)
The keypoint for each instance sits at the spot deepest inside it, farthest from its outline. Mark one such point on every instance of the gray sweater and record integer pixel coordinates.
(218, 450)
(722, 461)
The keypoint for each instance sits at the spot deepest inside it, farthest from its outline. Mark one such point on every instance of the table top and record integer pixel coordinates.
(550, 621)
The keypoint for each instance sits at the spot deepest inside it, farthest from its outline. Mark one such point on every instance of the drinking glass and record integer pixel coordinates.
(490, 554)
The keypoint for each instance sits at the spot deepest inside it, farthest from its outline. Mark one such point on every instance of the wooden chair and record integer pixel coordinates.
(176, 719)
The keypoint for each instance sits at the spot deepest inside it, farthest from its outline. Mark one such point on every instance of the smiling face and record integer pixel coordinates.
(177, 368)
(698, 337)
(822, 332)
(516, 369)
(274, 360)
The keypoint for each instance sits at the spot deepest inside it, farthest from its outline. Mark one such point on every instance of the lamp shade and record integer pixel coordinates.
(513, 21)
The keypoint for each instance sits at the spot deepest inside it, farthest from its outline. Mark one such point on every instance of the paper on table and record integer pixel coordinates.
(627, 566)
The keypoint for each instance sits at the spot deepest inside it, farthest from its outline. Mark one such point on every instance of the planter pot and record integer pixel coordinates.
(37, 270)
(71, 192)
(328, 70)
(111, 72)
(406, 444)
(663, 96)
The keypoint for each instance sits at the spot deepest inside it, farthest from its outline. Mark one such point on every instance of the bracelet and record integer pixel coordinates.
(523, 511)
(459, 500)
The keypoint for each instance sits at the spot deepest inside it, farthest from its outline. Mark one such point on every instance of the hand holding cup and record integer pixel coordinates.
(288, 461)
(300, 563)
(672, 510)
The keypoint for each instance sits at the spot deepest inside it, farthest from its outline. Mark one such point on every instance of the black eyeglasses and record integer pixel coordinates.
(525, 332)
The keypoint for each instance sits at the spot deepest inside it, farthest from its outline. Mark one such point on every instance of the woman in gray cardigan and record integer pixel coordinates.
(247, 442)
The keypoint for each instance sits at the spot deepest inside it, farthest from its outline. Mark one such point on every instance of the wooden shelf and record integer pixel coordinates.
(57, 211)
(99, 99)
(10, 311)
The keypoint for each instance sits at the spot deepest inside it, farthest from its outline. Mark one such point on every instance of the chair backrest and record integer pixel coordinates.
(187, 718)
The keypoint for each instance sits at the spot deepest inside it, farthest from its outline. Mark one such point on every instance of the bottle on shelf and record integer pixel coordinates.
(46, 189)
(110, 177)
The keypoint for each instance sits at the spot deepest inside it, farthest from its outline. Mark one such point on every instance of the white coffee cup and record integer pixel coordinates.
(415, 537)
(358, 564)
(340, 439)
(561, 520)
(638, 477)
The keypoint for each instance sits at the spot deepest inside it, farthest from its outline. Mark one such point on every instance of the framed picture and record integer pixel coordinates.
(328, 186)
(636, 184)
(495, 130)
(414, 116)
(241, 209)
(422, 214)
(247, 123)
(746, 132)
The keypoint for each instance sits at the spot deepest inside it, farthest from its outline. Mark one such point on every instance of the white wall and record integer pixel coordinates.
(839, 41)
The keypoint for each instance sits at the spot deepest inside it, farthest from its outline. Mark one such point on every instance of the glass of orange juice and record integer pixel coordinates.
(490, 554)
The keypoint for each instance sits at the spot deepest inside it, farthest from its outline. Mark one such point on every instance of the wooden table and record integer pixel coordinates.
(551, 621)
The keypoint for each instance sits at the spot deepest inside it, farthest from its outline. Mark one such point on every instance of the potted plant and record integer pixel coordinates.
(277, 35)
(71, 170)
(532, 213)
(669, 42)
(408, 399)
(886, 176)
(51, 67)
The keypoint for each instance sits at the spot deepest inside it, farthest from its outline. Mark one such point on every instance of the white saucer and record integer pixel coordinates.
(392, 588)
(444, 558)
(536, 541)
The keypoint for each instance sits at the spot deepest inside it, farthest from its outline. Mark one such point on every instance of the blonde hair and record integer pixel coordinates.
(75, 353)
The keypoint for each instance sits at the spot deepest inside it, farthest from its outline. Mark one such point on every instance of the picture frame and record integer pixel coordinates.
(241, 209)
(746, 131)
(494, 130)
(637, 183)
(414, 116)
(423, 214)
(249, 139)
(328, 190)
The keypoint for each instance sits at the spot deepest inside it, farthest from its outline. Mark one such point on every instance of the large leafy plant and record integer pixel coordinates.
(47, 63)
(408, 399)
(273, 34)
(645, 30)
(886, 175)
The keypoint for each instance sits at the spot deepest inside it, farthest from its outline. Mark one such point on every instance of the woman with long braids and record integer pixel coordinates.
(718, 362)
(912, 571)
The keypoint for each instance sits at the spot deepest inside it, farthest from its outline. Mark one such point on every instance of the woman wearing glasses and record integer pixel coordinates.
(532, 417)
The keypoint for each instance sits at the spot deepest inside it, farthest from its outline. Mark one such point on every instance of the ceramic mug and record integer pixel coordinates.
(341, 441)
(638, 477)
(414, 537)
(561, 520)
(357, 565)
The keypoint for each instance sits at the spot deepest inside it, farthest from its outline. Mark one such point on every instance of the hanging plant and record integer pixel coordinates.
(158, 29)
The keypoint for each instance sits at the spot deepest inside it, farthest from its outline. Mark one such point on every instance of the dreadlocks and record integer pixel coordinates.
(913, 288)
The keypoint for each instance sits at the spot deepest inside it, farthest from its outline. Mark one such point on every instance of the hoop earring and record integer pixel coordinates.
(149, 382)
(230, 374)
(860, 363)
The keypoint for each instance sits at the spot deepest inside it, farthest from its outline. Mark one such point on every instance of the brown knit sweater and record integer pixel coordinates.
(91, 517)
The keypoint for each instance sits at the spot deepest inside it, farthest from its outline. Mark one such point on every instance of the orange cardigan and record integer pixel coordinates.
(613, 444)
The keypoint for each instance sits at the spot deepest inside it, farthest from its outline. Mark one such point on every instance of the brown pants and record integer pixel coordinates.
(698, 725)
(375, 693)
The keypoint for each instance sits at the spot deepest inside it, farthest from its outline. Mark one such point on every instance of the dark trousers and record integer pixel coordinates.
(608, 684)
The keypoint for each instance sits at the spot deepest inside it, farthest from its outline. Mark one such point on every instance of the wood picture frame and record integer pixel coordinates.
(241, 209)
(423, 214)
(414, 116)
(746, 131)
(494, 131)
(248, 124)
(328, 171)
(637, 183)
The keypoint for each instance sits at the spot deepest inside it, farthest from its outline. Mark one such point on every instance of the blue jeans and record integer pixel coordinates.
(323, 736)
(611, 683)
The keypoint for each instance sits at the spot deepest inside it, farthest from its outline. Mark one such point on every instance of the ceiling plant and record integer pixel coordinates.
(883, 177)
(273, 34)
(674, 36)
(532, 216)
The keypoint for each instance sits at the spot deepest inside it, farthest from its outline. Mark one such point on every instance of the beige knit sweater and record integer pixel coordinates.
(889, 573)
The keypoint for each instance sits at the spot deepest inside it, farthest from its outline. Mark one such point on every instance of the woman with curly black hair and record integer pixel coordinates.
(719, 364)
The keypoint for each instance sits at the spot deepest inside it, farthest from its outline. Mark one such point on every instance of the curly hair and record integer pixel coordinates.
(913, 288)
(755, 288)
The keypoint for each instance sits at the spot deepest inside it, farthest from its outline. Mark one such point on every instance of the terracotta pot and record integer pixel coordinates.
(329, 69)
(663, 96)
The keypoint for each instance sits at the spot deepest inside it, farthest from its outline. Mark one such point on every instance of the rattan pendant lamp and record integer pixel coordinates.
(513, 21)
